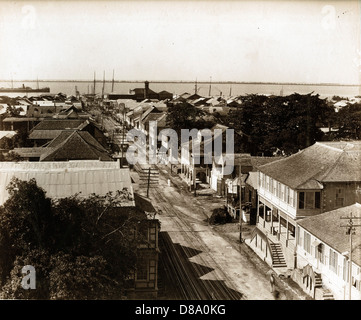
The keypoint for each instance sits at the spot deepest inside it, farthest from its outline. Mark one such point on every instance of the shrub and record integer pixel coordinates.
(220, 216)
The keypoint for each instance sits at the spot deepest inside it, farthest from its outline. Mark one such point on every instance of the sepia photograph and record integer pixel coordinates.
(175, 156)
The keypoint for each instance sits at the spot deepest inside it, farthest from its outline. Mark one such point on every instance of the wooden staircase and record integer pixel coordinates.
(278, 259)
(326, 293)
(318, 280)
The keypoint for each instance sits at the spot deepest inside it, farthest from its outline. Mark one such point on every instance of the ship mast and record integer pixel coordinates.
(113, 82)
(210, 86)
(94, 84)
(103, 84)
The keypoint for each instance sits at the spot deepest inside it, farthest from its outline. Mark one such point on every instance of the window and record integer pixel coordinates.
(301, 200)
(270, 185)
(292, 198)
(345, 270)
(298, 239)
(142, 270)
(307, 242)
(333, 261)
(264, 181)
(268, 215)
(339, 198)
(309, 200)
(321, 252)
(288, 194)
(279, 190)
(318, 200)
(283, 222)
(152, 269)
(282, 195)
(275, 187)
(292, 229)
(275, 215)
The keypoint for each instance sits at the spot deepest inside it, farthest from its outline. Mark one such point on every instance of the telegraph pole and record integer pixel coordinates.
(351, 230)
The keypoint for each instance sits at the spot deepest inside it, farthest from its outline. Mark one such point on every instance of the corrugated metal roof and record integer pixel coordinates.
(59, 124)
(44, 134)
(63, 179)
(30, 152)
(7, 134)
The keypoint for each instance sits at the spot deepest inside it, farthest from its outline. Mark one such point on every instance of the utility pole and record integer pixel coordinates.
(350, 231)
(149, 177)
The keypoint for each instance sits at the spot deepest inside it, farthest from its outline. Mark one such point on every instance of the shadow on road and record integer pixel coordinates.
(179, 278)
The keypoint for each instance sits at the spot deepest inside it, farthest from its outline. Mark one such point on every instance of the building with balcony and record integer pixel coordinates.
(323, 255)
(320, 178)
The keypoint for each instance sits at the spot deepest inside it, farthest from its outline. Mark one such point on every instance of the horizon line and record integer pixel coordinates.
(184, 81)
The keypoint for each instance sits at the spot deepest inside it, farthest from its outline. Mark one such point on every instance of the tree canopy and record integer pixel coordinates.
(81, 248)
(184, 116)
(286, 123)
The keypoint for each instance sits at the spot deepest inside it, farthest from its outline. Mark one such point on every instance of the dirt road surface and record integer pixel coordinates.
(212, 264)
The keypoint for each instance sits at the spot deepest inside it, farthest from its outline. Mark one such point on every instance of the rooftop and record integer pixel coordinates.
(56, 124)
(326, 227)
(64, 179)
(75, 145)
(322, 162)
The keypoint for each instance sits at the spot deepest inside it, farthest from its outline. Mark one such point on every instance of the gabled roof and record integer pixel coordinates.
(321, 162)
(49, 129)
(159, 117)
(64, 179)
(44, 134)
(75, 145)
(326, 227)
(59, 124)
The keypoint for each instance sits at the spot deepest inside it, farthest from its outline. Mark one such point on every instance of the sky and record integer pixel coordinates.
(295, 41)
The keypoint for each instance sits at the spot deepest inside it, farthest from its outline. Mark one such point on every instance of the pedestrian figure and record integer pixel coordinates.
(272, 281)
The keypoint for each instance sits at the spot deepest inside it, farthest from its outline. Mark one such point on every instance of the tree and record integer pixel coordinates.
(275, 123)
(348, 121)
(81, 248)
(184, 116)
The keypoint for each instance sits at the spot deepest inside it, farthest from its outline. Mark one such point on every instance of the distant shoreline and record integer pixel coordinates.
(192, 82)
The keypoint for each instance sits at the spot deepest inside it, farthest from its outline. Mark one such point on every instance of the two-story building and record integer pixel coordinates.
(320, 178)
(323, 255)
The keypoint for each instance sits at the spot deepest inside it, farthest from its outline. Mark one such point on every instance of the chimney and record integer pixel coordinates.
(146, 89)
